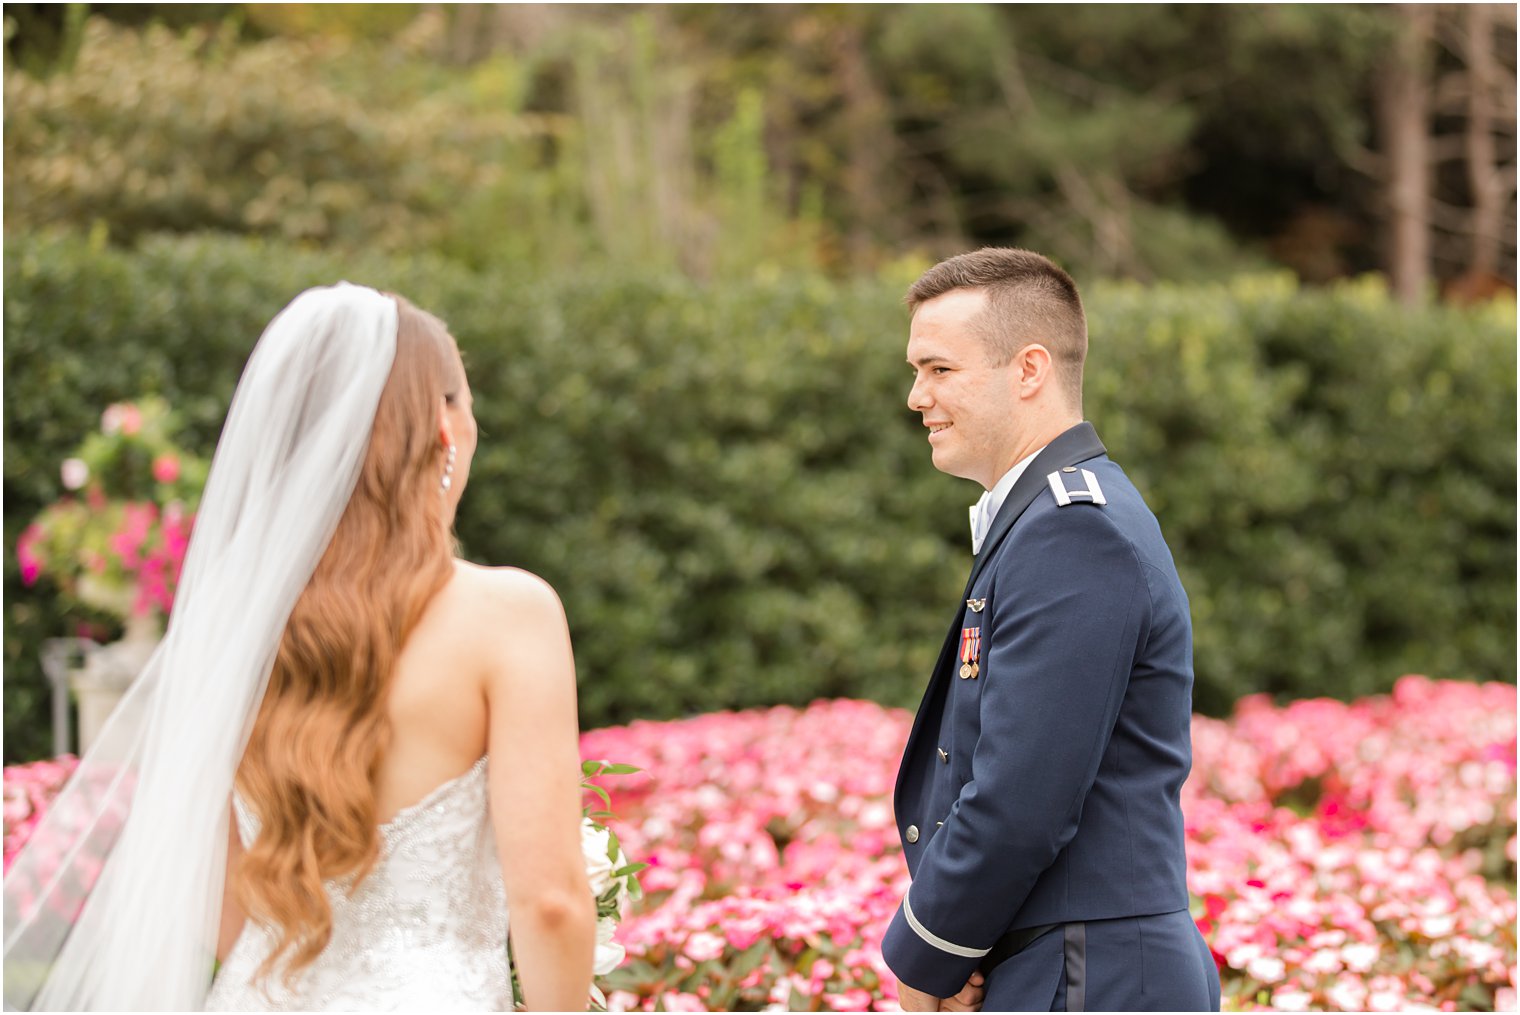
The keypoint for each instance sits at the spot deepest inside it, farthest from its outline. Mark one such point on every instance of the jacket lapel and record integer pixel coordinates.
(1078, 444)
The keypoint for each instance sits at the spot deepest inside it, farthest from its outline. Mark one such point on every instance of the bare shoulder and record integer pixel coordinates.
(506, 592)
(510, 622)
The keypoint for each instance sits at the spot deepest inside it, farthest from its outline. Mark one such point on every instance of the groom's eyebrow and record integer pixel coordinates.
(924, 361)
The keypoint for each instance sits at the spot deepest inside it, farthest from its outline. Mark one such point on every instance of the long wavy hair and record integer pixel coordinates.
(316, 746)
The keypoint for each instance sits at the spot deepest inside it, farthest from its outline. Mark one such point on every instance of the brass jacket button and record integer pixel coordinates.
(912, 835)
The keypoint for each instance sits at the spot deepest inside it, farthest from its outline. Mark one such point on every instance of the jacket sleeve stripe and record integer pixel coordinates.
(939, 942)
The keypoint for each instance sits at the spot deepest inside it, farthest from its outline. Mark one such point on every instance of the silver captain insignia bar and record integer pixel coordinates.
(1093, 494)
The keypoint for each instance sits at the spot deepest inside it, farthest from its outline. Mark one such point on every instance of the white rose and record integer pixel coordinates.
(608, 954)
(598, 866)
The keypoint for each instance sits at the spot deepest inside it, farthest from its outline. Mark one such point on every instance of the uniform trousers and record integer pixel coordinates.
(1138, 963)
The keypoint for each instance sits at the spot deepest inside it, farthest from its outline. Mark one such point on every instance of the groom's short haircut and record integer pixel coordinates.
(1029, 299)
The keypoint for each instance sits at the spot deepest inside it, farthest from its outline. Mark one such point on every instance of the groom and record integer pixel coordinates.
(1038, 794)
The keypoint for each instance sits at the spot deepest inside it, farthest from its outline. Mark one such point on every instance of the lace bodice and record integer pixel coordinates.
(427, 929)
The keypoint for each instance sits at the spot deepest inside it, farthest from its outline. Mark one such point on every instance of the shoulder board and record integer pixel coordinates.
(1091, 494)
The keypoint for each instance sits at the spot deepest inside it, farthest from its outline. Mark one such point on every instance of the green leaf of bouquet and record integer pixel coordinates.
(620, 769)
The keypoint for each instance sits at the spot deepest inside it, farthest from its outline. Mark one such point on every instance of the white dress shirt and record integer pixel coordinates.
(986, 509)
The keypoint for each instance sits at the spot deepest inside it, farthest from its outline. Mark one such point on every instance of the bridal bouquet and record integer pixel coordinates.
(612, 879)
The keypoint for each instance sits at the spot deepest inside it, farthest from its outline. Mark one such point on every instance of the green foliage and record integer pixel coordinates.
(1109, 137)
(349, 144)
(155, 131)
(725, 486)
(1185, 141)
(1334, 475)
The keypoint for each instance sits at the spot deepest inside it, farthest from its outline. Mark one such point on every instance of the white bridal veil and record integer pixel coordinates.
(115, 902)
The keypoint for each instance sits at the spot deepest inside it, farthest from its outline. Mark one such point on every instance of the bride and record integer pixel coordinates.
(351, 751)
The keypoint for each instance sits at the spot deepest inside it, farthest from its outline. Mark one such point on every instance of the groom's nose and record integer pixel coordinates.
(918, 399)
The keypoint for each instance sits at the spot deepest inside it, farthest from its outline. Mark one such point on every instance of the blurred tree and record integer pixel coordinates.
(1488, 86)
(157, 131)
(1403, 99)
(1148, 141)
(1475, 108)
(1123, 138)
(43, 38)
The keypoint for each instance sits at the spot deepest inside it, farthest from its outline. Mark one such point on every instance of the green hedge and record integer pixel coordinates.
(725, 485)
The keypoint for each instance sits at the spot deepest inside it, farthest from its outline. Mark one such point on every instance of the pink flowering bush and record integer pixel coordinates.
(1342, 856)
(54, 878)
(774, 864)
(28, 791)
(1360, 857)
(117, 538)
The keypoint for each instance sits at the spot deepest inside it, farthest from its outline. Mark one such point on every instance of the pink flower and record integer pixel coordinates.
(121, 417)
(1291, 999)
(131, 419)
(1347, 994)
(743, 932)
(1359, 958)
(851, 1000)
(26, 554)
(166, 468)
(1386, 994)
(704, 947)
(622, 1000)
(1266, 969)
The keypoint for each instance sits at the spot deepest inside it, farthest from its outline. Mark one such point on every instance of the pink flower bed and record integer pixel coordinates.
(1342, 856)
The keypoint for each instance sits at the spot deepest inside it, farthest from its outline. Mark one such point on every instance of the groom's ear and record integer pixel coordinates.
(1033, 365)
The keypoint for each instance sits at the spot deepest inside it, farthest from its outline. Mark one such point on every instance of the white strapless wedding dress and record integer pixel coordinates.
(426, 930)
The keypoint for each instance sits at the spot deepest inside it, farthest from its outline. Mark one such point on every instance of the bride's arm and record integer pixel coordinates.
(233, 917)
(535, 792)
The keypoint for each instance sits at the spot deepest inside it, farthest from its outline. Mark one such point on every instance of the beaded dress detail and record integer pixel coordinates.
(426, 930)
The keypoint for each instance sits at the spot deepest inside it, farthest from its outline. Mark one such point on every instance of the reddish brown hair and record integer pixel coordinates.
(308, 772)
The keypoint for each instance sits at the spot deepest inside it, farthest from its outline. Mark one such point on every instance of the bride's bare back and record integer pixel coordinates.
(438, 707)
(489, 670)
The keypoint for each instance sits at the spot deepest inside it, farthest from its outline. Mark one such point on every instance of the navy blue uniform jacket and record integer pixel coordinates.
(1046, 789)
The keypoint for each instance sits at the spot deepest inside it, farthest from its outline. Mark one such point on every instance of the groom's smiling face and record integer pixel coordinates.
(968, 404)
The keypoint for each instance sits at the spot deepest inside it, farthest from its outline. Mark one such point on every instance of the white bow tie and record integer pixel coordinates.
(981, 521)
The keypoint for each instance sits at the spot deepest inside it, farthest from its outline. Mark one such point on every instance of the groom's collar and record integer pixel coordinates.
(986, 509)
(1078, 444)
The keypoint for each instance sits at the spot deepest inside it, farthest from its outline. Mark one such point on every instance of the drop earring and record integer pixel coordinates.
(448, 471)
